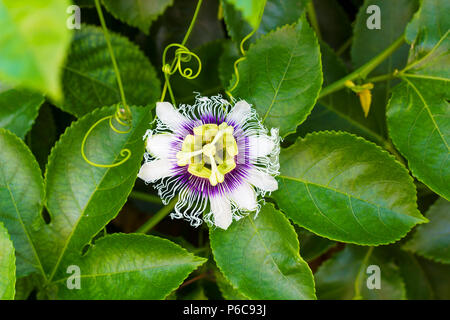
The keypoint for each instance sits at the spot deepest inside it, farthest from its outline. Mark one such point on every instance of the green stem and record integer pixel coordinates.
(191, 26)
(384, 77)
(145, 197)
(387, 144)
(185, 39)
(364, 70)
(360, 273)
(344, 46)
(113, 58)
(313, 19)
(161, 214)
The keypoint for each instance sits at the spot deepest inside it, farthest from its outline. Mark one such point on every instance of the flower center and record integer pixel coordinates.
(209, 152)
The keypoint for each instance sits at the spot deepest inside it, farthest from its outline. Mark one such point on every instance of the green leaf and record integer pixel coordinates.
(368, 43)
(34, 40)
(130, 266)
(418, 115)
(251, 10)
(172, 25)
(346, 276)
(260, 257)
(417, 284)
(340, 110)
(89, 80)
(7, 266)
(282, 76)
(428, 26)
(277, 13)
(21, 200)
(432, 240)
(334, 24)
(43, 135)
(227, 289)
(18, 109)
(347, 189)
(227, 58)
(311, 245)
(438, 275)
(137, 13)
(26, 285)
(82, 198)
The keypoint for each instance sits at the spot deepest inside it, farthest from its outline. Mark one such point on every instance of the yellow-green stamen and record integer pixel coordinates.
(209, 152)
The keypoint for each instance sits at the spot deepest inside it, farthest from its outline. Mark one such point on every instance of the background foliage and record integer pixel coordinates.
(355, 190)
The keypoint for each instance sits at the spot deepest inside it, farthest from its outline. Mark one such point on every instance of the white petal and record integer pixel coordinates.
(240, 112)
(245, 197)
(262, 180)
(260, 146)
(155, 170)
(158, 145)
(169, 115)
(221, 209)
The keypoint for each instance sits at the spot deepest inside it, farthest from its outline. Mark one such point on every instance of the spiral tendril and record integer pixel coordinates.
(243, 52)
(182, 55)
(122, 116)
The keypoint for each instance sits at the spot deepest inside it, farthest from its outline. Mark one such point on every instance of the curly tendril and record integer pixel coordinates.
(241, 47)
(122, 116)
(182, 55)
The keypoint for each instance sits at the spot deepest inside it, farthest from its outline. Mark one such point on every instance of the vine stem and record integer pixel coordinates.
(185, 39)
(313, 19)
(344, 46)
(113, 58)
(145, 197)
(357, 288)
(365, 69)
(161, 214)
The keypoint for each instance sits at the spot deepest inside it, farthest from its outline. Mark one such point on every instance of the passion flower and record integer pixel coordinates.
(213, 152)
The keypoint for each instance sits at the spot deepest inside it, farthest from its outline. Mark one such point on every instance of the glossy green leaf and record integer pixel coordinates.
(130, 266)
(282, 76)
(418, 114)
(251, 10)
(347, 276)
(428, 26)
(34, 40)
(311, 245)
(89, 80)
(21, 200)
(7, 265)
(368, 43)
(227, 289)
(260, 257)
(432, 240)
(18, 109)
(137, 13)
(277, 13)
(344, 188)
(82, 198)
